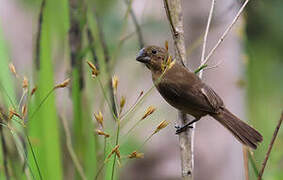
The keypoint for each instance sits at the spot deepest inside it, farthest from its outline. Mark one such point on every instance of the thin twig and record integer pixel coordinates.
(71, 150)
(270, 147)
(91, 43)
(253, 163)
(225, 33)
(246, 162)
(4, 150)
(175, 33)
(102, 37)
(138, 28)
(106, 58)
(116, 143)
(173, 10)
(38, 35)
(34, 157)
(206, 34)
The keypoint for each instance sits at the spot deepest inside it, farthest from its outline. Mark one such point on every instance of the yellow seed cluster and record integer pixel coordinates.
(24, 110)
(122, 102)
(136, 155)
(25, 82)
(13, 69)
(99, 118)
(148, 112)
(94, 70)
(162, 125)
(115, 81)
(63, 84)
(101, 133)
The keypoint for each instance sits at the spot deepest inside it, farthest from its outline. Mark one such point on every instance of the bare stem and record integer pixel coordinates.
(71, 150)
(106, 58)
(38, 35)
(4, 151)
(174, 14)
(246, 162)
(138, 28)
(206, 34)
(225, 33)
(270, 147)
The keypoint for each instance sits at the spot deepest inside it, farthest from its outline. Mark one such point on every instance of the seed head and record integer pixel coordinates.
(63, 84)
(13, 69)
(101, 133)
(25, 82)
(24, 110)
(99, 118)
(122, 102)
(136, 155)
(115, 81)
(94, 70)
(166, 45)
(162, 125)
(13, 113)
(148, 112)
(171, 64)
(113, 151)
(33, 90)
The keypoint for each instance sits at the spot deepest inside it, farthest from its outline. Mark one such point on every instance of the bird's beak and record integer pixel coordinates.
(142, 56)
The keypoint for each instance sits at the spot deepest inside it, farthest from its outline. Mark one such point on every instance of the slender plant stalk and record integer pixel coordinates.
(38, 35)
(225, 33)
(116, 143)
(138, 28)
(106, 58)
(34, 157)
(253, 163)
(206, 35)
(4, 151)
(71, 150)
(40, 104)
(246, 162)
(270, 147)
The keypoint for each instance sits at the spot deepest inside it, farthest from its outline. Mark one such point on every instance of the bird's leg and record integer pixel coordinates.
(183, 128)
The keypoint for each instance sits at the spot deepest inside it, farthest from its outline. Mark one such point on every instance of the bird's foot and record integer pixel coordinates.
(183, 128)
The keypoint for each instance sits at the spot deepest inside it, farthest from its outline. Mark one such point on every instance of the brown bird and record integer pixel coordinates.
(185, 91)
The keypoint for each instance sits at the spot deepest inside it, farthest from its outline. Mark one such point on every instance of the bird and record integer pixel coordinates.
(185, 91)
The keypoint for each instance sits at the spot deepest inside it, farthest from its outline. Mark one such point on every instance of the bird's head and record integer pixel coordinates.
(153, 57)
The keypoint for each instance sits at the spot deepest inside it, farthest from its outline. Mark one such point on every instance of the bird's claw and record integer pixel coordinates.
(182, 129)
(177, 126)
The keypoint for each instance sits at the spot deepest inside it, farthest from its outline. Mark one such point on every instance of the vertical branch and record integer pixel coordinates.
(270, 147)
(38, 35)
(174, 14)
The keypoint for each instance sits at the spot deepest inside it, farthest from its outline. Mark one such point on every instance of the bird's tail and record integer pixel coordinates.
(242, 131)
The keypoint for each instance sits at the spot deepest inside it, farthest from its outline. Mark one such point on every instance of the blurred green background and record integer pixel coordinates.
(73, 32)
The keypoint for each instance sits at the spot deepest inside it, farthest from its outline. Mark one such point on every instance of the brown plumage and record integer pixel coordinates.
(185, 91)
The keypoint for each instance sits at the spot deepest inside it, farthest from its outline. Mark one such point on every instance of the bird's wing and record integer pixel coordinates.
(197, 96)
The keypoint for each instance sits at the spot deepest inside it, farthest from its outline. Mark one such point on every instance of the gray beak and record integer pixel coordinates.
(142, 56)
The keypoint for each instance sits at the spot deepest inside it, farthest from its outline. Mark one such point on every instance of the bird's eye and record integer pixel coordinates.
(154, 51)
